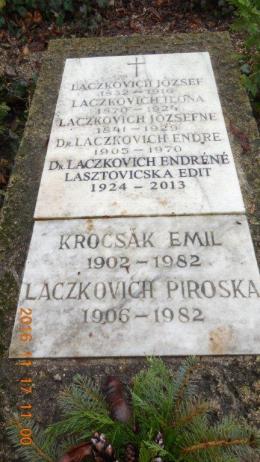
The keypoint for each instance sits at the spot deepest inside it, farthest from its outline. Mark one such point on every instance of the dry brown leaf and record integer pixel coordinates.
(136, 26)
(78, 453)
(37, 17)
(252, 208)
(26, 50)
(154, 13)
(28, 19)
(119, 406)
(161, 2)
(37, 46)
(3, 180)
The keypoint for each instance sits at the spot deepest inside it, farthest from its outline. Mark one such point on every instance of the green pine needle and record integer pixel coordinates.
(161, 402)
(39, 451)
(81, 395)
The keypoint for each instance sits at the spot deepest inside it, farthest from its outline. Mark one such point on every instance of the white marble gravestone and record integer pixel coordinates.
(138, 135)
(141, 286)
(141, 245)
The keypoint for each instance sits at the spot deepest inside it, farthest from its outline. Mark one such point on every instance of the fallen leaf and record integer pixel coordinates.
(37, 46)
(26, 50)
(3, 179)
(115, 397)
(161, 2)
(136, 26)
(155, 13)
(37, 17)
(252, 208)
(10, 71)
(28, 18)
(78, 453)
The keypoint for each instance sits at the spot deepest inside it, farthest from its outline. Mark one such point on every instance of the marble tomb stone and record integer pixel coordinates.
(138, 135)
(140, 286)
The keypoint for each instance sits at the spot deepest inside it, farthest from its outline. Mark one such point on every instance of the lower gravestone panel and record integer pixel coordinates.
(140, 286)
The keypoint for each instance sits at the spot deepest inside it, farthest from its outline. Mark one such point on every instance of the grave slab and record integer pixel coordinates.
(115, 287)
(232, 380)
(138, 135)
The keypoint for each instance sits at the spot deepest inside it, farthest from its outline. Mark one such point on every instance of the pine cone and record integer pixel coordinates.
(130, 453)
(101, 450)
(97, 450)
(159, 440)
(114, 393)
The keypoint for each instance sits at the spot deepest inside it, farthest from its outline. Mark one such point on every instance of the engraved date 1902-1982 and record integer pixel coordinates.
(159, 261)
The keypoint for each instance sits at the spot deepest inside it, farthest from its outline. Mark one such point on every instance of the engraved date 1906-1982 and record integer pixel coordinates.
(158, 315)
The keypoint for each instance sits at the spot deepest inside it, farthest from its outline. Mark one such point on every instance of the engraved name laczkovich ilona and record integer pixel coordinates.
(138, 135)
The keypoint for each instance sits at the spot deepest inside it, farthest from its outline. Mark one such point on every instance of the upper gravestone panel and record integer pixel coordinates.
(138, 135)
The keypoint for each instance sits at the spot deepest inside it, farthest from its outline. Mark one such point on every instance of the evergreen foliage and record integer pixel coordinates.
(40, 450)
(161, 403)
(15, 95)
(57, 10)
(248, 21)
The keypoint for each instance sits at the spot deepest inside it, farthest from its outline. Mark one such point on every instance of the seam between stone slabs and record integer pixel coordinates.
(103, 217)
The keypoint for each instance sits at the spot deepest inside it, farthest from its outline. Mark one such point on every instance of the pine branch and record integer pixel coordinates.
(153, 395)
(81, 422)
(204, 442)
(193, 412)
(161, 406)
(146, 453)
(38, 447)
(69, 442)
(147, 409)
(83, 394)
(156, 449)
(89, 388)
(183, 379)
(215, 444)
(39, 451)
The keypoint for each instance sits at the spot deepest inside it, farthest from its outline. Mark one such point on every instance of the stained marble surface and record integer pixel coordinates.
(140, 286)
(138, 135)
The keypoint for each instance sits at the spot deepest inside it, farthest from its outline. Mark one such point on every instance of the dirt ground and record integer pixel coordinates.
(21, 57)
